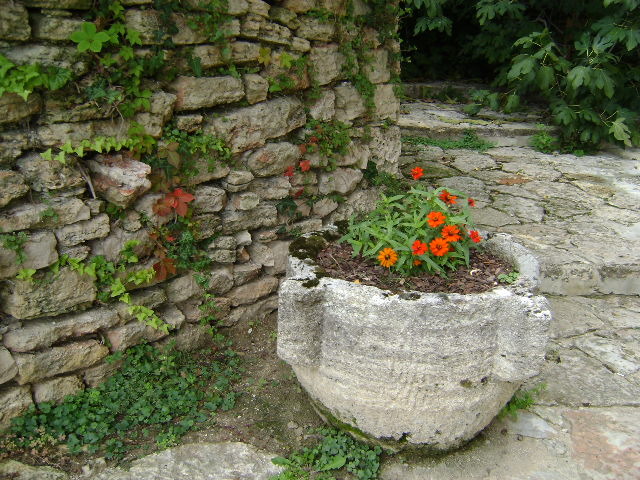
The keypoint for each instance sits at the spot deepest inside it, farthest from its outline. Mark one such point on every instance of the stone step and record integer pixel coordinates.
(441, 120)
(593, 359)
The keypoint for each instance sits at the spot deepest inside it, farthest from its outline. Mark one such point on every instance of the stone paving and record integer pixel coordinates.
(581, 216)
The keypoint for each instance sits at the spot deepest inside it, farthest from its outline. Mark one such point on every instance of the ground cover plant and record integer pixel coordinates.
(580, 57)
(161, 394)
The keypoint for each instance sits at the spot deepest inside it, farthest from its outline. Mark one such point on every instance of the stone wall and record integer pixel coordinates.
(54, 331)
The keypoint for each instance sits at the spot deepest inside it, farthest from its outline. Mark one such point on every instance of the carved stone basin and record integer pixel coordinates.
(415, 368)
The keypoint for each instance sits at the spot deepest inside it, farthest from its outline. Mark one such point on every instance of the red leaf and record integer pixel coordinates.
(303, 148)
(164, 267)
(305, 165)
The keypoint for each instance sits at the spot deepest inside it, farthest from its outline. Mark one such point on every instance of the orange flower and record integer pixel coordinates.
(471, 202)
(387, 257)
(475, 236)
(417, 172)
(436, 219)
(439, 247)
(451, 233)
(417, 262)
(419, 248)
(446, 197)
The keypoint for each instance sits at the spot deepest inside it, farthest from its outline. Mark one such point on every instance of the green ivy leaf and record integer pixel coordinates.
(88, 39)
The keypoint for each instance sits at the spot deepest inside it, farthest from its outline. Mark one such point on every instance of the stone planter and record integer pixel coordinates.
(427, 369)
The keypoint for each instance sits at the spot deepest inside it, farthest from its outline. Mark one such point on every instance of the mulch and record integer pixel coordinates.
(481, 275)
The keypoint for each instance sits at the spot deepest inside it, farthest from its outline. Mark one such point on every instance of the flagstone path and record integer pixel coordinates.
(581, 216)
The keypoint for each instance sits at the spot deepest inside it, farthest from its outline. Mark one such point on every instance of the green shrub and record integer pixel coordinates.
(581, 57)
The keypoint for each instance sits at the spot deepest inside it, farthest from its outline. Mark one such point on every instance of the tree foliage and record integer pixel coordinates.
(580, 56)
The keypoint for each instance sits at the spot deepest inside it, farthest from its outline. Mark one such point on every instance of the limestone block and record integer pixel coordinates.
(324, 108)
(97, 227)
(54, 4)
(299, 6)
(259, 7)
(14, 22)
(255, 87)
(181, 288)
(212, 55)
(280, 252)
(237, 7)
(349, 103)
(209, 199)
(385, 147)
(324, 207)
(148, 21)
(221, 280)
(189, 122)
(253, 291)
(56, 389)
(25, 216)
(255, 26)
(8, 368)
(207, 171)
(300, 44)
(256, 312)
(161, 107)
(12, 144)
(194, 93)
(261, 216)
(284, 16)
(206, 225)
(136, 332)
(15, 108)
(11, 186)
(59, 110)
(261, 254)
(33, 367)
(377, 71)
(118, 178)
(357, 155)
(39, 250)
(44, 175)
(313, 28)
(250, 127)
(190, 337)
(67, 291)
(271, 188)
(14, 401)
(111, 246)
(273, 159)
(246, 272)
(149, 297)
(94, 376)
(79, 252)
(53, 28)
(242, 238)
(58, 133)
(360, 201)
(386, 103)
(237, 180)
(46, 55)
(245, 201)
(342, 181)
(41, 334)
(327, 64)
(220, 255)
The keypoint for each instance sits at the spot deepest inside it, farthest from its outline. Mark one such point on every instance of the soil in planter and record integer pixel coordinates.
(480, 276)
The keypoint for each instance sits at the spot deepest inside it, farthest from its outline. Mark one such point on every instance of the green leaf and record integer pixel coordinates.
(545, 77)
(523, 64)
(335, 463)
(133, 36)
(579, 76)
(88, 39)
(621, 131)
(46, 154)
